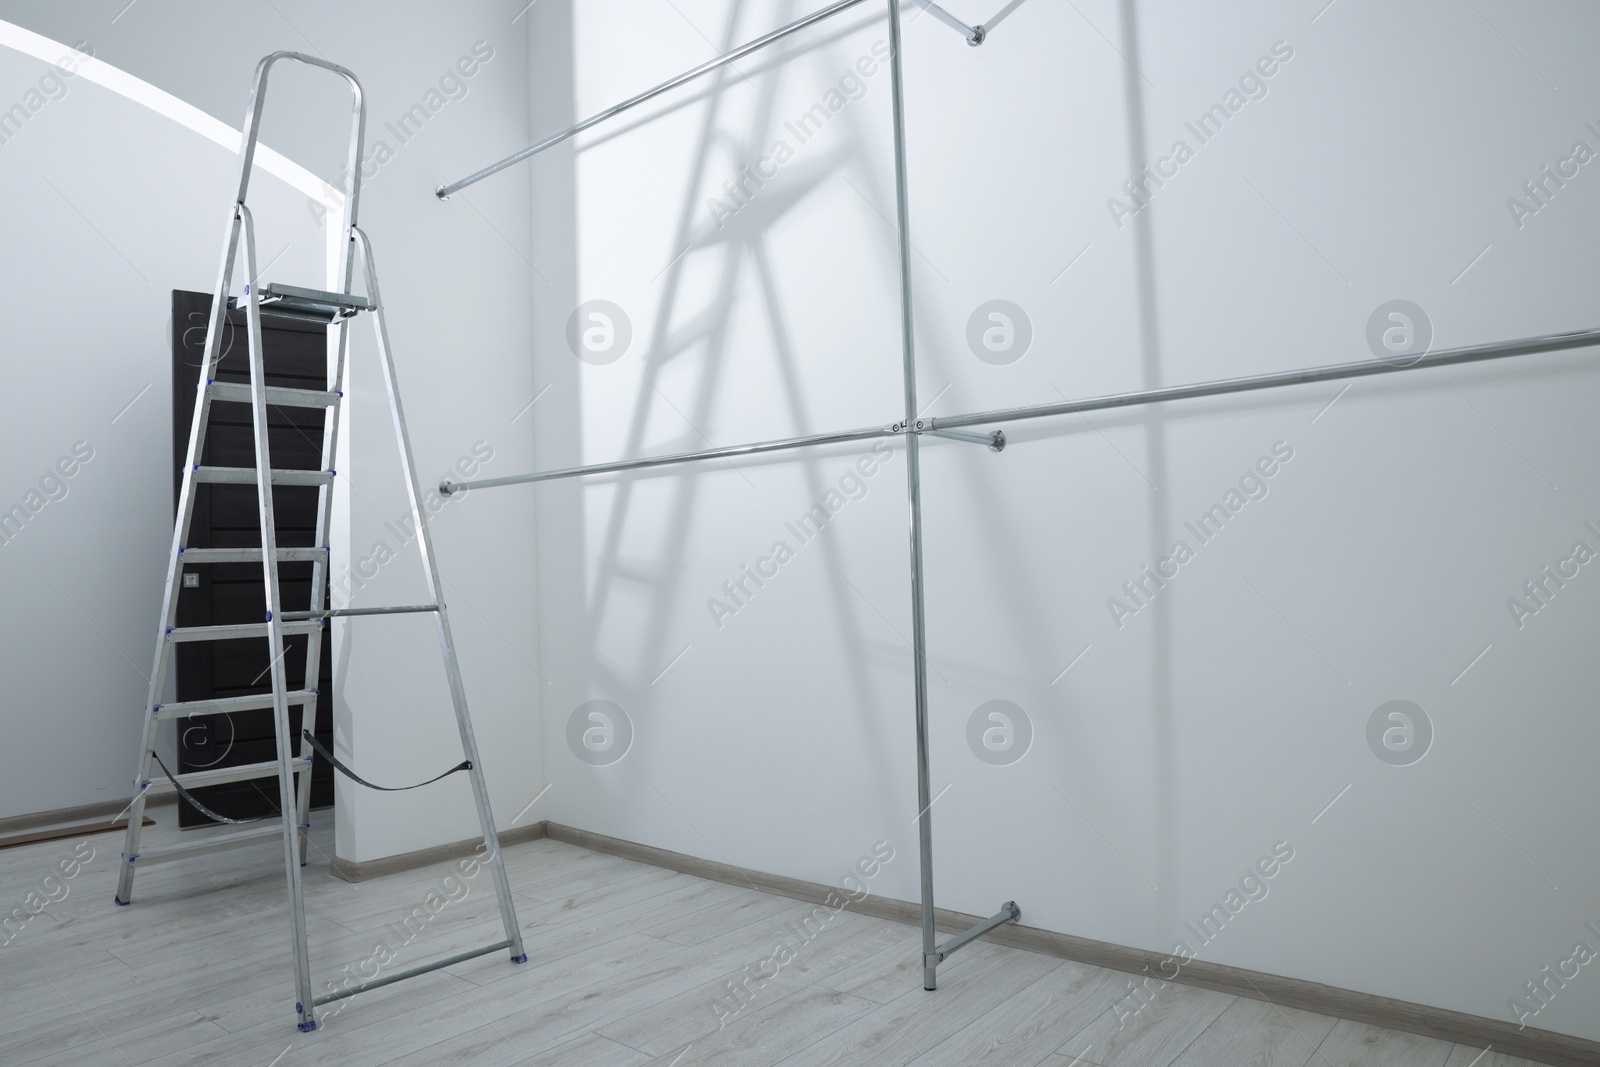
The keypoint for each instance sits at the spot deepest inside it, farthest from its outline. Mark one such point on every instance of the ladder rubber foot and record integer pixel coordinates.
(520, 959)
(306, 1028)
(119, 902)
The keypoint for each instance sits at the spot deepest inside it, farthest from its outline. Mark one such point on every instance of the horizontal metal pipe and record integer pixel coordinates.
(973, 34)
(677, 457)
(723, 60)
(339, 613)
(1336, 372)
(409, 972)
(995, 441)
(1008, 913)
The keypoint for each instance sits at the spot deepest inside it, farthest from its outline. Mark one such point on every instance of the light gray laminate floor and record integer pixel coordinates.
(627, 964)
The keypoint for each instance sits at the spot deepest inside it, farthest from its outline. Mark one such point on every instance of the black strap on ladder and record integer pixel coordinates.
(201, 808)
(464, 765)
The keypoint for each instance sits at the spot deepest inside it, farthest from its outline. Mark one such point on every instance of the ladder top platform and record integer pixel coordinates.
(315, 305)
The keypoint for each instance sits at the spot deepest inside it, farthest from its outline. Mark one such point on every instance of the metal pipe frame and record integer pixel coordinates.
(913, 426)
(973, 34)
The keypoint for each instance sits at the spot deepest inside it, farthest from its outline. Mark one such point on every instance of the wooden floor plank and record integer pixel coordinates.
(902, 1031)
(1465, 1056)
(770, 1033)
(1153, 1036)
(1253, 1033)
(1026, 1028)
(1358, 1045)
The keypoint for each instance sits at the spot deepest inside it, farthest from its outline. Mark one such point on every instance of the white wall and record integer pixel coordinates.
(455, 279)
(1224, 717)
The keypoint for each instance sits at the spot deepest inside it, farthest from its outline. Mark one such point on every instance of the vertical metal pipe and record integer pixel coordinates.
(919, 638)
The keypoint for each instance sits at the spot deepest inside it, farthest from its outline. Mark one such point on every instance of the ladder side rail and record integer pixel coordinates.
(216, 330)
(251, 132)
(275, 635)
(250, 137)
(321, 568)
(458, 695)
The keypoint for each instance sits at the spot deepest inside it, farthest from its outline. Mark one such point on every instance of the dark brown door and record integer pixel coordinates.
(226, 516)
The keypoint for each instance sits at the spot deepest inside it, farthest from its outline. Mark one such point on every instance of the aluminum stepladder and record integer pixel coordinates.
(292, 769)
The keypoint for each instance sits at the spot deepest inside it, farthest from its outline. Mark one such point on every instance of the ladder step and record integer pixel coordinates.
(219, 843)
(225, 705)
(340, 613)
(318, 305)
(223, 775)
(239, 393)
(251, 555)
(247, 476)
(237, 631)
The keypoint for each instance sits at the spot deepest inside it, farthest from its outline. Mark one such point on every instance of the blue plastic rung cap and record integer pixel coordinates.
(120, 902)
(269, 616)
(306, 1028)
(520, 959)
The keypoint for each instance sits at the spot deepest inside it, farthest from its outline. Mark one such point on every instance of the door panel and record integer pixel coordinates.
(225, 516)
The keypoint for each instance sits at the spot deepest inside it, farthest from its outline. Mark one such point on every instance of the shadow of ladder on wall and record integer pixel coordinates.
(292, 769)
